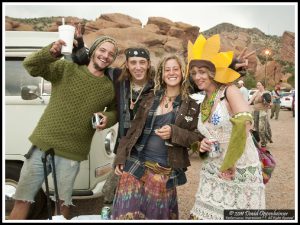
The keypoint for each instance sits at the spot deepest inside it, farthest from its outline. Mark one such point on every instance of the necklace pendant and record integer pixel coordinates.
(167, 105)
(131, 105)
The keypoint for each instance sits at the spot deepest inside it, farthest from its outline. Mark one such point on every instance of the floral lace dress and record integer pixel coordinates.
(214, 194)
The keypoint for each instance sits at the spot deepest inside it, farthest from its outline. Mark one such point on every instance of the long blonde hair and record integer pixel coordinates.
(158, 80)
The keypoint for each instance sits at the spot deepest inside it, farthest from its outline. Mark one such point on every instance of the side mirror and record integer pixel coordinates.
(110, 142)
(30, 92)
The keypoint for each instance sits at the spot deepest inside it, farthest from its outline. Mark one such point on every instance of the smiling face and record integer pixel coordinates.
(103, 56)
(172, 74)
(138, 67)
(201, 77)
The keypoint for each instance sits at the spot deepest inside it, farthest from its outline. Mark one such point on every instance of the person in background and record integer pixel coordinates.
(293, 103)
(276, 95)
(231, 175)
(77, 93)
(260, 114)
(152, 158)
(243, 90)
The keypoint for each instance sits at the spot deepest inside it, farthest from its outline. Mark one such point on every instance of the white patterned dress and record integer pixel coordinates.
(214, 194)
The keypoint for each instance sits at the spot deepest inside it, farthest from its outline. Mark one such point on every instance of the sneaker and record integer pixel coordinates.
(271, 141)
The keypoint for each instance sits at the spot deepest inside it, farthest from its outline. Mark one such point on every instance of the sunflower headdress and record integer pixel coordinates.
(206, 53)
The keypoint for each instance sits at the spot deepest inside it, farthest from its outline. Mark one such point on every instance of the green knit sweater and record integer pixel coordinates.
(76, 94)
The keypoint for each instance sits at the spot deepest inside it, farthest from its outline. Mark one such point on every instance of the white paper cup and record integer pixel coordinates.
(66, 33)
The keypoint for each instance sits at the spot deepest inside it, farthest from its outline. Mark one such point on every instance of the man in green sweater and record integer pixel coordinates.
(77, 93)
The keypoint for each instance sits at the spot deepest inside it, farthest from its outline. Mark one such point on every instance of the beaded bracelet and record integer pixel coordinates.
(243, 114)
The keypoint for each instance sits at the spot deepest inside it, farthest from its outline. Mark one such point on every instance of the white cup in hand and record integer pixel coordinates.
(66, 33)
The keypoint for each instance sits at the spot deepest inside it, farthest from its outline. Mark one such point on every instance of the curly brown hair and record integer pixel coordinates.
(158, 80)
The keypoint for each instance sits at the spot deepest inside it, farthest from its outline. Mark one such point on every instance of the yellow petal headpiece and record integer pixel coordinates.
(206, 53)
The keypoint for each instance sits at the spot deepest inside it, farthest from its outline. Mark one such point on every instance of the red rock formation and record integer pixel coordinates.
(162, 36)
(287, 51)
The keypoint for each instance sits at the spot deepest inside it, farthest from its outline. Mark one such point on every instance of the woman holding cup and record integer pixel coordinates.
(231, 176)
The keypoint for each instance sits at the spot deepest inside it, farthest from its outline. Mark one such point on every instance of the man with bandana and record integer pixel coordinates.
(77, 93)
(132, 82)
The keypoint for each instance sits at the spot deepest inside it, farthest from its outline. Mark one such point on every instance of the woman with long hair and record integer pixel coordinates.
(231, 176)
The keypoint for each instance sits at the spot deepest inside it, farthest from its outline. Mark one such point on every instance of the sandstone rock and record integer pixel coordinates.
(163, 24)
(98, 25)
(152, 28)
(191, 33)
(133, 34)
(15, 24)
(174, 45)
(8, 26)
(162, 36)
(287, 51)
(123, 20)
(176, 32)
(24, 27)
(272, 72)
(183, 26)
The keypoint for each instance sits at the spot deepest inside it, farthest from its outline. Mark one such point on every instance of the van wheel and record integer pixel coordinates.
(38, 210)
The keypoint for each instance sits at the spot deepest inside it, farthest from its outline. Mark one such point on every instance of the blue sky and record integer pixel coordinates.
(271, 18)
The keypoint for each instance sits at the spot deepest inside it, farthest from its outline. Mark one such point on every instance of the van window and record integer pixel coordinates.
(16, 77)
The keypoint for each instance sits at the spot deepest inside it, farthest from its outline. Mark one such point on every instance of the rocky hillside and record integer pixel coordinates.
(281, 62)
(161, 36)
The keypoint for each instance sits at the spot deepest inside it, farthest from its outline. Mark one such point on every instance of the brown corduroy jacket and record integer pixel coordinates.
(184, 132)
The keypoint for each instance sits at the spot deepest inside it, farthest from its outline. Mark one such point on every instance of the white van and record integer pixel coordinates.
(21, 117)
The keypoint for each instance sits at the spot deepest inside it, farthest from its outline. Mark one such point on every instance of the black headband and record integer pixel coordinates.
(137, 52)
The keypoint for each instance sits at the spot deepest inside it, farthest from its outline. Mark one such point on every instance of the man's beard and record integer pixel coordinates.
(98, 67)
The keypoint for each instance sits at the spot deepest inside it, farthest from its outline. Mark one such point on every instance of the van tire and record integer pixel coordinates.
(38, 209)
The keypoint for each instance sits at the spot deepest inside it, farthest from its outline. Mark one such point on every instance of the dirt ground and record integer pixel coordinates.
(280, 191)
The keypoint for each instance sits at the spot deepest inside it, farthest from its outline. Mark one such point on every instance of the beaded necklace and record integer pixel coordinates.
(207, 105)
(132, 103)
(166, 104)
(168, 99)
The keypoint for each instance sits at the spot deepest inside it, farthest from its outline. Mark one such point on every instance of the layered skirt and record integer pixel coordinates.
(145, 199)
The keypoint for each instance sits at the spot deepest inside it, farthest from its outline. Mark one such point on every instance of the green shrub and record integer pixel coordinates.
(249, 80)
(289, 68)
(291, 80)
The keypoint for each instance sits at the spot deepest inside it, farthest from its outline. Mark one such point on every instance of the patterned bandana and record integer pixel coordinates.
(137, 52)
